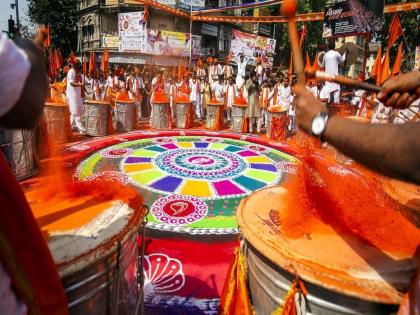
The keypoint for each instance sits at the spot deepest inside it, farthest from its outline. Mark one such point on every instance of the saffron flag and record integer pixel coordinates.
(302, 35)
(60, 57)
(307, 62)
(84, 65)
(48, 40)
(57, 61)
(376, 69)
(398, 60)
(395, 31)
(385, 70)
(291, 67)
(235, 299)
(105, 62)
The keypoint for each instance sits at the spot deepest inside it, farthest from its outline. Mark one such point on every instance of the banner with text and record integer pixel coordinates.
(172, 43)
(132, 32)
(252, 46)
(350, 17)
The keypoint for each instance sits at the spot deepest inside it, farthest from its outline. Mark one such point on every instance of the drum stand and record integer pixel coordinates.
(140, 269)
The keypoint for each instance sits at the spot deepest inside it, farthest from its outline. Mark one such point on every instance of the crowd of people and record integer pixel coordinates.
(214, 80)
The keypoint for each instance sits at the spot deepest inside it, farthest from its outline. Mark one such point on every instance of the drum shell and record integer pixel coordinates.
(160, 119)
(93, 291)
(125, 116)
(20, 151)
(238, 116)
(342, 109)
(212, 115)
(181, 113)
(268, 284)
(58, 123)
(96, 119)
(276, 114)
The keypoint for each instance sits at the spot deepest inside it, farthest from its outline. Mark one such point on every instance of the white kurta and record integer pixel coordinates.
(74, 94)
(331, 61)
(218, 91)
(284, 95)
(241, 70)
(230, 91)
(195, 91)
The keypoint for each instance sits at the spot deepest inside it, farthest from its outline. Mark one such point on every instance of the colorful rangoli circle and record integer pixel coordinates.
(210, 171)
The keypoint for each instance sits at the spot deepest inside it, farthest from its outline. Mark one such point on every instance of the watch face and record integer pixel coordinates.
(318, 125)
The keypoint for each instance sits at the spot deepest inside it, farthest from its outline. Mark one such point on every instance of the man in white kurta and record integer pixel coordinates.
(242, 62)
(331, 61)
(74, 98)
(219, 90)
(195, 95)
(230, 94)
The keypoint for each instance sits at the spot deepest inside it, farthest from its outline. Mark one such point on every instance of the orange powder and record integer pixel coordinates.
(159, 97)
(74, 204)
(240, 101)
(350, 203)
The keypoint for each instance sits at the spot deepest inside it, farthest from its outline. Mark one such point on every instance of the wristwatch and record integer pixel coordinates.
(319, 124)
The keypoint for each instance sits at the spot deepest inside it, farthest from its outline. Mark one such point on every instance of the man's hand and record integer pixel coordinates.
(399, 92)
(307, 107)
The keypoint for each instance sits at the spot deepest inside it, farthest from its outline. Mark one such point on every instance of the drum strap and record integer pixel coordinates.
(294, 300)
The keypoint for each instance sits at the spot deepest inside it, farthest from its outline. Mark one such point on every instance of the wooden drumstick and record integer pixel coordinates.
(288, 10)
(312, 73)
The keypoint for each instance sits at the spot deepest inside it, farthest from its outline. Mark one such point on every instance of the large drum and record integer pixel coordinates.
(342, 109)
(97, 115)
(277, 123)
(405, 194)
(19, 149)
(342, 274)
(161, 115)
(184, 114)
(239, 118)
(125, 114)
(214, 119)
(57, 117)
(94, 245)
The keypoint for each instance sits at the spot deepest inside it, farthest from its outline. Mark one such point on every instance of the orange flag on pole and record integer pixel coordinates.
(84, 65)
(308, 62)
(291, 68)
(105, 62)
(376, 69)
(48, 40)
(395, 31)
(398, 60)
(385, 70)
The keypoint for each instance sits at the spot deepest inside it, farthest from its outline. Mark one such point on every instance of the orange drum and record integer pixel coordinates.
(184, 113)
(342, 274)
(342, 109)
(278, 121)
(214, 119)
(94, 245)
(98, 114)
(57, 117)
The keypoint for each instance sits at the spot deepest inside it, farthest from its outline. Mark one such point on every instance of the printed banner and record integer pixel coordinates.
(132, 32)
(172, 43)
(253, 46)
(349, 17)
(110, 41)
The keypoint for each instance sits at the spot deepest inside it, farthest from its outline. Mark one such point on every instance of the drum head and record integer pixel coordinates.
(82, 230)
(332, 261)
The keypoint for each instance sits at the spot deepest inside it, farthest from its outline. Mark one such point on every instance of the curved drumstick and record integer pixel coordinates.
(288, 10)
(312, 73)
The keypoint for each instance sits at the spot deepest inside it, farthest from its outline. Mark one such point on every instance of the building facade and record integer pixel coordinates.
(97, 28)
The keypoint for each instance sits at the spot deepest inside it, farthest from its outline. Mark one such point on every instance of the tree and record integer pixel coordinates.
(61, 16)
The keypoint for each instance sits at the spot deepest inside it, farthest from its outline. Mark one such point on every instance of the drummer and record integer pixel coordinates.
(74, 95)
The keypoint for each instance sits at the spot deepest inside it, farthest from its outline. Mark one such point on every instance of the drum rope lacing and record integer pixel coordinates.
(140, 269)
